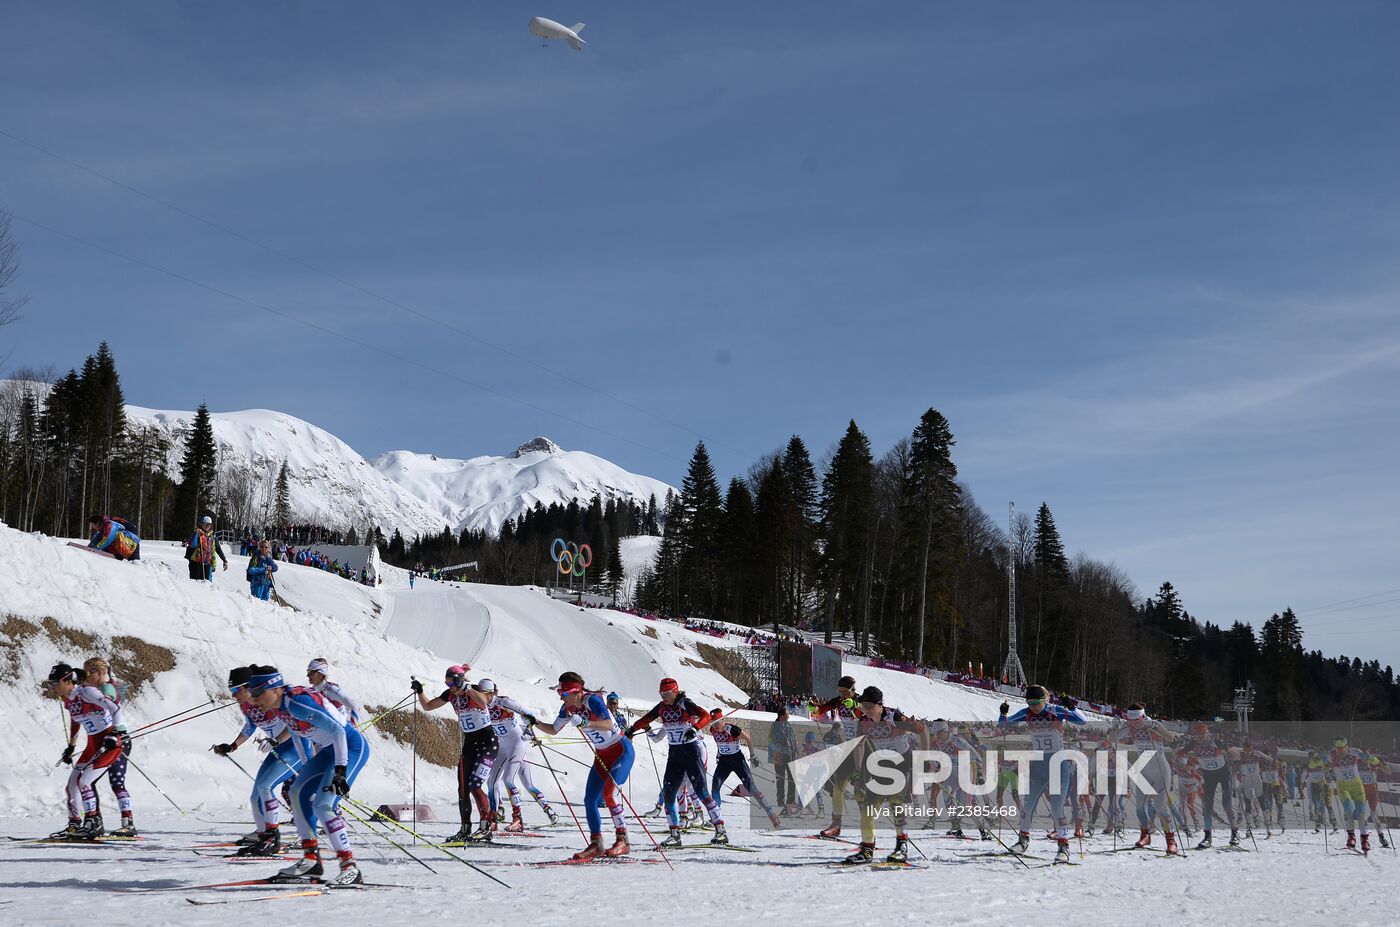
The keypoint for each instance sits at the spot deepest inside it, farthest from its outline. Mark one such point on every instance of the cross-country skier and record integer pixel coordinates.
(1256, 798)
(1046, 725)
(683, 721)
(1346, 769)
(326, 776)
(281, 765)
(730, 739)
(316, 672)
(505, 716)
(95, 713)
(100, 675)
(612, 760)
(478, 748)
(1214, 765)
(842, 708)
(1373, 773)
(959, 750)
(1149, 737)
(892, 734)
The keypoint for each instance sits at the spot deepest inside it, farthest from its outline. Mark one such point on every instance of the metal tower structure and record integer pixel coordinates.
(1012, 673)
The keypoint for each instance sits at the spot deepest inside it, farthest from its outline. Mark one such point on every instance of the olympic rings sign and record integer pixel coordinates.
(572, 559)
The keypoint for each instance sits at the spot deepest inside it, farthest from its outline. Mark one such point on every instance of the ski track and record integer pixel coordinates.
(44, 884)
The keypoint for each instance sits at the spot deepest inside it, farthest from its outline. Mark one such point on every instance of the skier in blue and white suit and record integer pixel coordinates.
(1046, 724)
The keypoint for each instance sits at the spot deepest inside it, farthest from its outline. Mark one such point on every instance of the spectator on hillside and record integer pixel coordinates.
(114, 536)
(261, 566)
(201, 550)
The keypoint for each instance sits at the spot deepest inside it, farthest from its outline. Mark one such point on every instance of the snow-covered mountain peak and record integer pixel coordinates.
(537, 445)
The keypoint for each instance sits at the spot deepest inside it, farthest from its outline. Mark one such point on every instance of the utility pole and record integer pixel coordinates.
(1012, 672)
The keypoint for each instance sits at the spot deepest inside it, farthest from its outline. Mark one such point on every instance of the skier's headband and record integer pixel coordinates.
(1135, 714)
(261, 682)
(569, 688)
(669, 685)
(318, 666)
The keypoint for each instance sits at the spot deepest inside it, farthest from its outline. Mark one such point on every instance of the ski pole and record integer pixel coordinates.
(607, 772)
(156, 730)
(543, 766)
(154, 786)
(176, 715)
(394, 707)
(415, 768)
(389, 840)
(254, 780)
(570, 805)
(363, 807)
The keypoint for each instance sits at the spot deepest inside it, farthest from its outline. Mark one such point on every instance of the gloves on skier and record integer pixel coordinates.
(110, 743)
(1068, 702)
(67, 758)
(1005, 709)
(416, 686)
(224, 749)
(264, 744)
(339, 784)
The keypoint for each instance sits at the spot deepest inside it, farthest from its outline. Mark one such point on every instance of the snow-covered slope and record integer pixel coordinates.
(483, 492)
(330, 483)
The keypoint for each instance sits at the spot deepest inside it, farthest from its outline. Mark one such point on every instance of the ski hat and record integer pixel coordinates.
(669, 685)
(872, 696)
(62, 671)
(318, 666)
(811, 736)
(846, 682)
(1340, 742)
(612, 697)
(1035, 692)
(206, 520)
(238, 677)
(1135, 712)
(938, 726)
(456, 671)
(485, 685)
(264, 678)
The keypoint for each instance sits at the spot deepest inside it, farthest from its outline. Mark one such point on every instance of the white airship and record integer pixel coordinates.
(549, 29)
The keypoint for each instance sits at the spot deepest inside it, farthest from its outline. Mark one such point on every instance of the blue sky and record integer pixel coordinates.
(1143, 257)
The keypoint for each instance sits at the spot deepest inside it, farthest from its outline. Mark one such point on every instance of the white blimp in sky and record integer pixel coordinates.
(549, 29)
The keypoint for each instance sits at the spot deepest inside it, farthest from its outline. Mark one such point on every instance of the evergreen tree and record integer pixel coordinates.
(701, 511)
(931, 499)
(614, 573)
(282, 500)
(738, 540)
(1052, 575)
(198, 470)
(846, 503)
(776, 517)
(802, 484)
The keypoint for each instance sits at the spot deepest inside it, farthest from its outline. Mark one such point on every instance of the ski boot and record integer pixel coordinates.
(91, 828)
(592, 851)
(1317, 828)
(1022, 844)
(462, 835)
(776, 821)
(1206, 843)
(1145, 840)
(1351, 840)
(551, 814)
(1365, 843)
(349, 873)
(985, 834)
(517, 823)
(900, 853)
(249, 839)
(70, 832)
(128, 828)
(620, 846)
(306, 869)
(954, 832)
(1234, 837)
(1385, 844)
(482, 834)
(721, 837)
(863, 854)
(833, 831)
(1172, 848)
(269, 845)
(674, 840)
(658, 811)
(1062, 853)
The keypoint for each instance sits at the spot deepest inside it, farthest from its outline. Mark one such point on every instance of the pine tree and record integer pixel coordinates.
(614, 573)
(738, 539)
(282, 499)
(931, 499)
(802, 483)
(846, 500)
(701, 511)
(1052, 575)
(198, 470)
(776, 516)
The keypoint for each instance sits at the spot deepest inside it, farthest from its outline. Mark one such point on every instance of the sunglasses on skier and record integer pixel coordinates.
(1035, 701)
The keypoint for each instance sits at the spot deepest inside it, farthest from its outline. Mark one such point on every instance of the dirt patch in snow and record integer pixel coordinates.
(651, 633)
(439, 739)
(133, 660)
